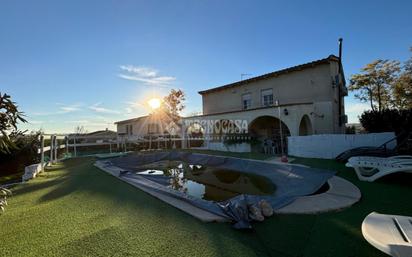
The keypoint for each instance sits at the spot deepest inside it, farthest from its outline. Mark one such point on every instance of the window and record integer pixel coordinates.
(267, 97)
(153, 128)
(129, 129)
(246, 101)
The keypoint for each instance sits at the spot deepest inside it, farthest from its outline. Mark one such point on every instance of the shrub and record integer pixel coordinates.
(24, 154)
(350, 130)
(399, 121)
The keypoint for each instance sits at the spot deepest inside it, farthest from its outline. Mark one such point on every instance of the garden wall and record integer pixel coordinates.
(329, 146)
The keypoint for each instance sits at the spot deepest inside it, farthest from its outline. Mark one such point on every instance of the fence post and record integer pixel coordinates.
(67, 145)
(56, 146)
(74, 146)
(42, 152)
(51, 149)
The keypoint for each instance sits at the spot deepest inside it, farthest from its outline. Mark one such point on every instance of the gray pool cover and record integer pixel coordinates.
(291, 181)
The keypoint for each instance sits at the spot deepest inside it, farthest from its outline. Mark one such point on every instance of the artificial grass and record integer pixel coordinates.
(74, 209)
(11, 178)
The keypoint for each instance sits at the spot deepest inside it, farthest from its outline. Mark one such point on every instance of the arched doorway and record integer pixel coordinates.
(305, 126)
(195, 134)
(267, 129)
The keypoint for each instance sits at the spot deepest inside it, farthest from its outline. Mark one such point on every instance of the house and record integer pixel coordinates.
(98, 136)
(156, 125)
(302, 100)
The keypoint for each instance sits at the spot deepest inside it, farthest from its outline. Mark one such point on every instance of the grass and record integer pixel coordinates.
(11, 178)
(74, 209)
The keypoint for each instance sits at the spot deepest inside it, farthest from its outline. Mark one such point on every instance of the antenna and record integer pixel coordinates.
(244, 75)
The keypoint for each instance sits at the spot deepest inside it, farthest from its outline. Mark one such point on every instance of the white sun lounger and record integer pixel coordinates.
(369, 168)
(391, 234)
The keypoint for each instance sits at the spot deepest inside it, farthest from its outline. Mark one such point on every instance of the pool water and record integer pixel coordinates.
(207, 182)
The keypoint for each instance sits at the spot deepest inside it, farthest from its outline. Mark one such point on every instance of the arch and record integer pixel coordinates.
(267, 127)
(195, 129)
(195, 133)
(305, 126)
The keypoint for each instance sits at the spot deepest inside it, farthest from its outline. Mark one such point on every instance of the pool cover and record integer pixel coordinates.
(291, 181)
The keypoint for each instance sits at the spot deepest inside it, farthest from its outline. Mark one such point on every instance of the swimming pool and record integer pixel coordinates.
(208, 183)
(274, 184)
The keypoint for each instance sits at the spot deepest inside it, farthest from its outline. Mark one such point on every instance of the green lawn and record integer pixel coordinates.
(11, 178)
(74, 209)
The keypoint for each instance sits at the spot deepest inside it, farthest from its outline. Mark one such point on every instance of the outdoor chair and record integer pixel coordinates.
(392, 234)
(369, 168)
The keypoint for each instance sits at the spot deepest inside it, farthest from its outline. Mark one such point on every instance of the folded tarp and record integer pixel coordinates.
(291, 181)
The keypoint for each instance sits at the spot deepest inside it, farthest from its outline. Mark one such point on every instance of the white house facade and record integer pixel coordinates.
(302, 100)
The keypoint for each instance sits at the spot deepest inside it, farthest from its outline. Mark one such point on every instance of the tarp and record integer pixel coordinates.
(291, 181)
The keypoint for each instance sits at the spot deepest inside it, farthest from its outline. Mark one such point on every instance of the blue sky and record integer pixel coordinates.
(90, 63)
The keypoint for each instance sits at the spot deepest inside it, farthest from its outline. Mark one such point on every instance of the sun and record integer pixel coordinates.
(154, 103)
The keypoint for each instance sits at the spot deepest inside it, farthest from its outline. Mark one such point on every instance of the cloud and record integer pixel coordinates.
(134, 105)
(98, 108)
(35, 122)
(146, 75)
(101, 124)
(142, 71)
(61, 109)
(77, 121)
(128, 110)
(64, 108)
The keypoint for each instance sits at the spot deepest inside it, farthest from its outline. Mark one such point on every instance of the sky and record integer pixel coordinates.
(90, 63)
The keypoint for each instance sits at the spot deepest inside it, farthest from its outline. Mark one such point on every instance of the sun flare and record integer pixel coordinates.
(154, 103)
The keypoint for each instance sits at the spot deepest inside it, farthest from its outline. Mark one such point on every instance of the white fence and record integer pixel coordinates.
(331, 145)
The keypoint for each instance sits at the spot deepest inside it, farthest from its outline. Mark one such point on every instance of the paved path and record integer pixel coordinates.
(341, 194)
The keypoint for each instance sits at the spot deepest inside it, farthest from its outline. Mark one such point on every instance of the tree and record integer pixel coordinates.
(375, 82)
(402, 90)
(80, 130)
(173, 104)
(10, 116)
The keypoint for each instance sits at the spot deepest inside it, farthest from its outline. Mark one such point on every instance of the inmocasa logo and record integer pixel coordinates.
(209, 126)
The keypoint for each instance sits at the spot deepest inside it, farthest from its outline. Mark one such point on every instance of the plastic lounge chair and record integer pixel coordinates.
(369, 168)
(391, 234)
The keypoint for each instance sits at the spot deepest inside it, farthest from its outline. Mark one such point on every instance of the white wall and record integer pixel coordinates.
(328, 146)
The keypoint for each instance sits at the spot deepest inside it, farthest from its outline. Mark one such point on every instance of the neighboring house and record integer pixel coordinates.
(144, 126)
(310, 97)
(102, 133)
(94, 137)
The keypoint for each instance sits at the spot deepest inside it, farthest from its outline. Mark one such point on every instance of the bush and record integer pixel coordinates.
(23, 155)
(350, 130)
(399, 121)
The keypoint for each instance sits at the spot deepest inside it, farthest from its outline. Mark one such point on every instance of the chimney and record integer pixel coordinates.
(340, 53)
